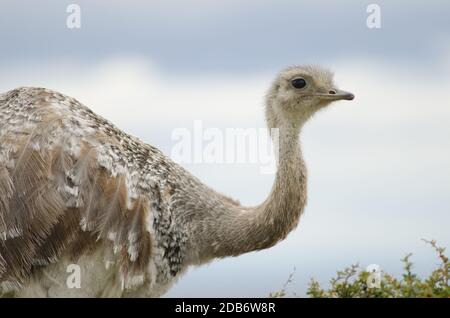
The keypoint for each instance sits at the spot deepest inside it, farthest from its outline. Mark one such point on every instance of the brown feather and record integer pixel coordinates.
(6, 192)
(49, 193)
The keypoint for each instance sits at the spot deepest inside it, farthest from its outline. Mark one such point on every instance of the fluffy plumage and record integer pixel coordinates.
(71, 182)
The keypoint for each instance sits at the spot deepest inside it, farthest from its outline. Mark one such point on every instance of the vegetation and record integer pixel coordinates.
(352, 282)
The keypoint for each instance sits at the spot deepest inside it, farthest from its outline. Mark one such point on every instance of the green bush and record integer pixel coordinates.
(352, 282)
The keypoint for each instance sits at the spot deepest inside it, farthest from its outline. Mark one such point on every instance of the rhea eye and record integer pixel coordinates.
(298, 82)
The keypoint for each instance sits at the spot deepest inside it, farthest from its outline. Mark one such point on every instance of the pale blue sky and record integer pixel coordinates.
(379, 167)
(238, 36)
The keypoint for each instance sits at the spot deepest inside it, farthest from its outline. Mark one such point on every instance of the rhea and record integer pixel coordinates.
(78, 193)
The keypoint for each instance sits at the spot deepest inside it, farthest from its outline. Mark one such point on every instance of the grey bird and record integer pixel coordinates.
(77, 191)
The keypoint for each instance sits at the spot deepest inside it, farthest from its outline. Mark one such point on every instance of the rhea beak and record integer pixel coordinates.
(337, 94)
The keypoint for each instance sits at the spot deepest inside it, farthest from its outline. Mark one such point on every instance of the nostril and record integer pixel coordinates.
(332, 92)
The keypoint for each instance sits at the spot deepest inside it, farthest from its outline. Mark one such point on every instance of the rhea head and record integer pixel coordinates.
(300, 91)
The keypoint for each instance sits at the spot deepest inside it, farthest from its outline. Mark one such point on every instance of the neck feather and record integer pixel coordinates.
(231, 230)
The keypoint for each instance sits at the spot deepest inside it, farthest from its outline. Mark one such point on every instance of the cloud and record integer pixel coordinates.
(122, 88)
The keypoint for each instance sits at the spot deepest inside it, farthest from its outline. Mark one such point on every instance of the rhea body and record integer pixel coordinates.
(76, 190)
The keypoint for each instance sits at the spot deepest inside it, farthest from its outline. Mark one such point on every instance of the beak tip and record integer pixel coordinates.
(343, 95)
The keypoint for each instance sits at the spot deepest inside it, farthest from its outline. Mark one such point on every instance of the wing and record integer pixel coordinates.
(64, 189)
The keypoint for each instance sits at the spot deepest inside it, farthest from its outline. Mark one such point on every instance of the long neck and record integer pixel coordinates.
(231, 230)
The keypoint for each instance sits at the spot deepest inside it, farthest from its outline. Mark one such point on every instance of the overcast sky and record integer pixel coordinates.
(379, 166)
